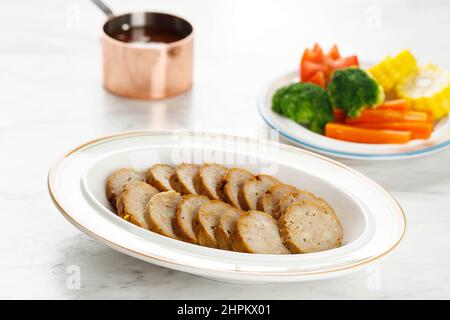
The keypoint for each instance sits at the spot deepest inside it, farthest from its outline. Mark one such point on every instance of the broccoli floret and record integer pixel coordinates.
(353, 90)
(305, 103)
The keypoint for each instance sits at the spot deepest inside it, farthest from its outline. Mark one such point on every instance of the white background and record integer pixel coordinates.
(51, 100)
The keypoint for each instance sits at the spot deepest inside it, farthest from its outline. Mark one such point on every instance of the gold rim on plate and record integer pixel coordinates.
(87, 230)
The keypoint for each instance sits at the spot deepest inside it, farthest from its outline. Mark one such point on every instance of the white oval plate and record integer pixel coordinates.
(305, 138)
(373, 221)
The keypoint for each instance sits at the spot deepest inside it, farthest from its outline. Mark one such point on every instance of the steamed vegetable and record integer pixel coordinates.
(428, 89)
(387, 115)
(339, 115)
(305, 103)
(349, 103)
(353, 90)
(318, 78)
(399, 104)
(317, 67)
(391, 71)
(419, 130)
(354, 134)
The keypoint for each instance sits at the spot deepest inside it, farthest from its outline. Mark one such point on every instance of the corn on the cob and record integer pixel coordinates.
(390, 71)
(428, 90)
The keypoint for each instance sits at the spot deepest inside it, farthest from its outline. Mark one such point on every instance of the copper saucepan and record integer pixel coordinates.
(146, 55)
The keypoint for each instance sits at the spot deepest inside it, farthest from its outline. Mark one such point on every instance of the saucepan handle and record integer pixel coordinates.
(102, 6)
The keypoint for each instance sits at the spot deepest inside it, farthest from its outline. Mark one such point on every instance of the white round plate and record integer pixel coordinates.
(373, 221)
(305, 138)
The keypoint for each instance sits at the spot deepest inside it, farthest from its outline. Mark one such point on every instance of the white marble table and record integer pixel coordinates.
(51, 100)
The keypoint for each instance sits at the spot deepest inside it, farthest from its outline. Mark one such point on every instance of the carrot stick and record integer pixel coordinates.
(430, 116)
(398, 104)
(419, 130)
(339, 115)
(387, 115)
(354, 134)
